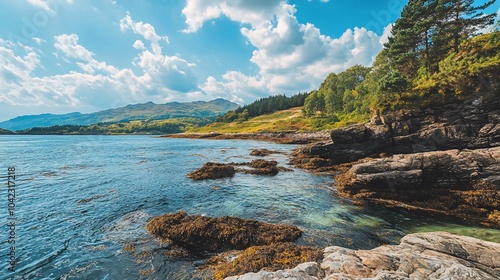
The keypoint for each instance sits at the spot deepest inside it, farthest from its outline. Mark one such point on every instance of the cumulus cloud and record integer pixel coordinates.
(144, 29)
(291, 56)
(171, 71)
(97, 84)
(197, 12)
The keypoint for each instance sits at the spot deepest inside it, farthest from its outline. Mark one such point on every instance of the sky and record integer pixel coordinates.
(61, 56)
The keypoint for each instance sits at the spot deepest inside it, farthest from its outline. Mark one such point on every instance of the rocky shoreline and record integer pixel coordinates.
(444, 160)
(276, 137)
(435, 255)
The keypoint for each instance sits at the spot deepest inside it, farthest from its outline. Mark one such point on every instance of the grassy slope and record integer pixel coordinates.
(286, 120)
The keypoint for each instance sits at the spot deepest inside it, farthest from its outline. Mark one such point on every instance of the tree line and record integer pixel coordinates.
(435, 55)
(132, 127)
(263, 106)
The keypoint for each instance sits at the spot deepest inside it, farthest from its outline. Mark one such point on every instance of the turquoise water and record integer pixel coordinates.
(128, 179)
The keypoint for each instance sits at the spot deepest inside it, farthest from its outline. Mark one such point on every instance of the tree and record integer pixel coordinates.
(460, 20)
(410, 43)
(314, 104)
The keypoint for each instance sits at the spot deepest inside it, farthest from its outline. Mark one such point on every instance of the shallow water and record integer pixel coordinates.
(81, 199)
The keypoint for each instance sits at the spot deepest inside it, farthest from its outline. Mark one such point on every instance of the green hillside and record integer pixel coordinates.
(290, 120)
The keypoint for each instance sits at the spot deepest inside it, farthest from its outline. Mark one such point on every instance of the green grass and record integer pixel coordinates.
(281, 121)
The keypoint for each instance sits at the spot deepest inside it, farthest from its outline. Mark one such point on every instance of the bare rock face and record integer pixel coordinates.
(469, 125)
(463, 183)
(434, 255)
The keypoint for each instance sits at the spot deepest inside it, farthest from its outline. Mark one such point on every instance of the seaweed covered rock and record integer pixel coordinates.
(272, 257)
(262, 167)
(212, 170)
(205, 234)
(262, 152)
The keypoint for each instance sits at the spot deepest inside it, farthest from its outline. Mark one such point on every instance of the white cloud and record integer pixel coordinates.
(291, 56)
(144, 29)
(171, 71)
(50, 6)
(42, 4)
(97, 85)
(39, 41)
(197, 12)
(138, 45)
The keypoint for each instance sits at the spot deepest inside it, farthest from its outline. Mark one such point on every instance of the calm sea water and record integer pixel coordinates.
(83, 200)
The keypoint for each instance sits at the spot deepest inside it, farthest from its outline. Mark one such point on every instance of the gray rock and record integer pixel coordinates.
(462, 183)
(435, 255)
(469, 125)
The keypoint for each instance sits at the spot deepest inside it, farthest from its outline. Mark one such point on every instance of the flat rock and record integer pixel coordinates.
(434, 255)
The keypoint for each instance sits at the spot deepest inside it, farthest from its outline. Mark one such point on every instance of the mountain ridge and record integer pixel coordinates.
(139, 111)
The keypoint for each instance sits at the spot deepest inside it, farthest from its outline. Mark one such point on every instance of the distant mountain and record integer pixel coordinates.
(144, 111)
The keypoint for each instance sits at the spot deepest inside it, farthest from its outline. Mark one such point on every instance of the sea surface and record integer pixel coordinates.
(82, 203)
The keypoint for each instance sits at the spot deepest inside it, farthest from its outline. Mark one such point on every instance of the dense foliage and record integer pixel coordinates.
(263, 106)
(434, 56)
(5, 131)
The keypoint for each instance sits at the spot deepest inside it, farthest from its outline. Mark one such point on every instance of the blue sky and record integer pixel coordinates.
(60, 56)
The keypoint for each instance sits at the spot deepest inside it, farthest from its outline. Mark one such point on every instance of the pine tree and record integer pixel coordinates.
(460, 20)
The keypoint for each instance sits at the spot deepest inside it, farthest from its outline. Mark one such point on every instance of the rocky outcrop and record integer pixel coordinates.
(262, 167)
(437, 255)
(206, 234)
(463, 183)
(467, 125)
(443, 160)
(212, 170)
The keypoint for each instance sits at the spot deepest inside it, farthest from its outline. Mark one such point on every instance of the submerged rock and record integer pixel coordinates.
(433, 255)
(212, 170)
(262, 152)
(205, 234)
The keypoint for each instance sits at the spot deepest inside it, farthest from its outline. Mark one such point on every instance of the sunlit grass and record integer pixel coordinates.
(291, 120)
